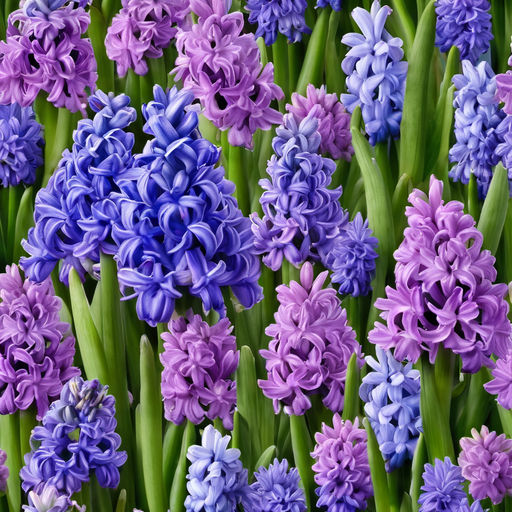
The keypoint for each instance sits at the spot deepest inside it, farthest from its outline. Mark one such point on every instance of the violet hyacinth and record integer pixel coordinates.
(501, 383)
(198, 361)
(341, 469)
(335, 4)
(222, 67)
(444, 293)
(333, 120)
(141, 30)
(45, 51)
(465, 24)
(310, 348)
(4, 471)
(486, 462)
(375, 73)
(36, 348)
(76, 441)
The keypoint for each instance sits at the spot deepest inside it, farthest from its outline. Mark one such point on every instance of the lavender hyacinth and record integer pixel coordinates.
(48, 500)
(443, 294)
(21, 145)
(375, 73)
(4, 471)
(501, 384)
(198, 362)
(310, 348)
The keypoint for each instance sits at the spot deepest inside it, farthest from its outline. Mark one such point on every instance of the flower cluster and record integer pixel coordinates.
(181, 230)
(47, 500)
(45, 51)
(477, 117)
(278, 16)
(302, 217)
(36, 348)
(443, 294)
(501, 384)
(375, 73)
(465, 24)
(142, 30)
(310, 348)
(222, 67)
(198, 362)
(21, 145)
(77, 439)
(335, 4)
(504, 89)
(391, 393)
(75, 212)
(341, 468)
(333, 120)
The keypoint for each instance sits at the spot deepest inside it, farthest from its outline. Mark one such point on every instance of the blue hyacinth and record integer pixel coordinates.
(335, 4)
(75, 212)
(217, 482)
(465, 24)
(21, 145)
(391, 393)
(375, 73)
(477, 118)
(76, 441)
(273, 16)
(277, 490)
(181, 231)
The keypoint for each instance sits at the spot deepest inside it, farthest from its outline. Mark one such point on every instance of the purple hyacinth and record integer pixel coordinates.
(76, 441)
(21, 145)
(465, 24)
(49, 499)
(36, 348)
(333, 120)
(181, 231)
(141, 30)
(277, 490)
(278, 16)
(375, 73)
(335, 4)
(75, 212)
(310, 348)
(486, 462)
(198, 362)
(504, 89)
(477, 117)
(341, 469)
(45, 51)
(352, 258)
(501, 384)
(443, 294)
(302, 217)
(222, 67)
(4, 471)
(216, 479)
(391, 393)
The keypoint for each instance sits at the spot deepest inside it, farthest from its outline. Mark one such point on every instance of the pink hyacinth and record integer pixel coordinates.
(310, 348)
(501, 384)
(333, 120)
(486, 462)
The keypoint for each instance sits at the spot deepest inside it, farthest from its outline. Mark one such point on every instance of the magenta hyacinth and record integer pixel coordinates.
(333, 120)
(198, 362)
(310, 348)
(501, 384)
(444, 293)
(36, 348)
(486, 462)
(341, 469)
(141, 30)
(223, 68)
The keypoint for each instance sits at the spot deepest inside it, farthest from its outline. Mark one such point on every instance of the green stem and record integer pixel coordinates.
(11, 445)
(27, 423)
(53, 152)
(281, 73)
(406, 22)
(293, 66)
(239, 178)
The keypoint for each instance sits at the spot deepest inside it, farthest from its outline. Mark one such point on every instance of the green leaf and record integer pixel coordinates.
(418, 462)
(179, 482)
(121, 501)
(351, 404)
(171, 452)
(24, 221)
(302, 446)
(11, 445)
(265, 458)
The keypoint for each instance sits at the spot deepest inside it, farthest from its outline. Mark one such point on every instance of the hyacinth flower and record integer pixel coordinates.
(21, 145)
(333, 120)
(311, 346)
(4, 471)
(375, 73)
(477, 118)
(47, 500)
(501, 383)
(342, 472)
(278, 16)
(335, 4)
(222, 68)
(198, 361)
(45, 51)
(77, 440)
(142, 30)
(391, 393)
(302, 216)
(465, 24)
(181, 231)
(75, 212)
